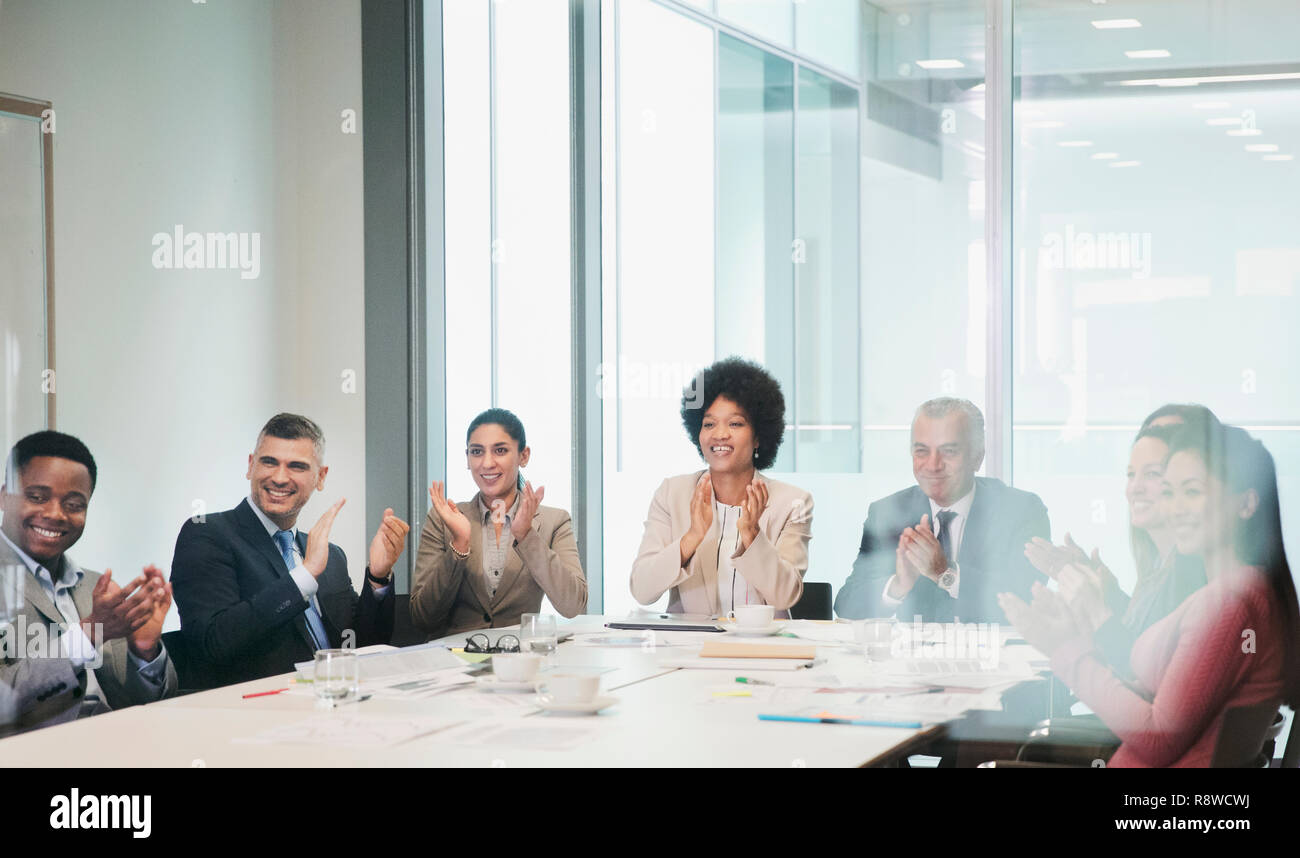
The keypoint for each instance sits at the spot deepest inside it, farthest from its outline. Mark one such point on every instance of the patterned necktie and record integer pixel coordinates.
(284, 539)
(945, 533)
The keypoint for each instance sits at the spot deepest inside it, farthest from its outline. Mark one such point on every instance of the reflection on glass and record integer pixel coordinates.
(772, 20)
(1157, 242)
(22, 288)
(754, 293)
(826, 261)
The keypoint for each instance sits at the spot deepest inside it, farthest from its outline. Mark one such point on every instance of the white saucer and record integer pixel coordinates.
(597, 703)
(491, 683)
(773, 629)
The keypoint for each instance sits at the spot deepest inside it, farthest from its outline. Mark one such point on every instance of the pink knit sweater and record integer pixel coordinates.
(1192, 666)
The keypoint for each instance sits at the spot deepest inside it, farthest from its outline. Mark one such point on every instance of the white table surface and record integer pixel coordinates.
(664, 717)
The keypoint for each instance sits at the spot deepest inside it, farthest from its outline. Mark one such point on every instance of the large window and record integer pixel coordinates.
(1157, 240)
(805, 184)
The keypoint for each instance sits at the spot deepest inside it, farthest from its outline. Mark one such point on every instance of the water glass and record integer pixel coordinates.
(537, 633)
(338, 675)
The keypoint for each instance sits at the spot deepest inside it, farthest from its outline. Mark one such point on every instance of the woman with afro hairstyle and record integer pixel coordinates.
(726, 536)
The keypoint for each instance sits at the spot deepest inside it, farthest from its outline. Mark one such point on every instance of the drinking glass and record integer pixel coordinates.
(537, 633)
(337, 675)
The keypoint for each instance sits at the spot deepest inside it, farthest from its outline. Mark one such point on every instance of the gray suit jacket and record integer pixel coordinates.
(449, 595)
(47, 690)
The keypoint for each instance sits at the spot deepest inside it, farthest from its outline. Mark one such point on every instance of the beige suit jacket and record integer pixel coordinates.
(774, 563)
(449, 595)
(47, 690)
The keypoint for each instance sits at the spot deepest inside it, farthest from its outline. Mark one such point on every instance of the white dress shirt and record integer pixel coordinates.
(956, 530)
(733, 589)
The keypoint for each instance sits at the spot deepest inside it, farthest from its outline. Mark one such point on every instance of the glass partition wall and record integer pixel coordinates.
(806, 184)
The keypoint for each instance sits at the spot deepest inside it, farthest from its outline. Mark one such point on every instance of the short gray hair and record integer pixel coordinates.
(945, 405)
(291, 427)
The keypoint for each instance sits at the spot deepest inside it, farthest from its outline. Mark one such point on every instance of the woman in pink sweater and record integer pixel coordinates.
(1232, 643)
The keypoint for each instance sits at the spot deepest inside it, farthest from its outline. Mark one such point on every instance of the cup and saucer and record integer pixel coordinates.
(572, 694)
(754, 621)
(512, 671)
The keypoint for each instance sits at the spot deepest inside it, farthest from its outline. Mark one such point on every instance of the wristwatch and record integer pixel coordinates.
(382, 582)
(949, 578)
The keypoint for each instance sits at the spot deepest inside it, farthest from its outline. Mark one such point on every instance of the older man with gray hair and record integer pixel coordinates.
(943, 549)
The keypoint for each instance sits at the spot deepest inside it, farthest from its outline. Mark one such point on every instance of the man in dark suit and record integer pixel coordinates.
(79, 645)
(943, 549)
(255, 595)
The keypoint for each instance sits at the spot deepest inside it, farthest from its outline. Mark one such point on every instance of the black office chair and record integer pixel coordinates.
(1290, 751)
(404, 631)
(178, 650)
(1242, 739)
(814, 604)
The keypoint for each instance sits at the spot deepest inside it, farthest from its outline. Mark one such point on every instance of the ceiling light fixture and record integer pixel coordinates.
(941, 64)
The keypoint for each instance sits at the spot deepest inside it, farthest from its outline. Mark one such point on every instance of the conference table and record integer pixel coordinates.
(665, 716)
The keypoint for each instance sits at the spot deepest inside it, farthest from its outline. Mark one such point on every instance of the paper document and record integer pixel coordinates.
(739, 665)
(423, 658)
(350, 731)
(532, 734)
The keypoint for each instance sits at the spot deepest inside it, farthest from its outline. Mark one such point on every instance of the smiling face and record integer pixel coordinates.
(1201, 509)
(282, 474)
(46, 513)
(494, 460)
(727, 438)
(943, 459)
(1145, 486)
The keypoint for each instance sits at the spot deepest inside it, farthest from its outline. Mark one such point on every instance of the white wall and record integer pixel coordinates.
(222, 117)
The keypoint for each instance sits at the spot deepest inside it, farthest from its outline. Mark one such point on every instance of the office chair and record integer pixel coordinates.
(814, 604)
(404, 631)
(1241, 743)
(178, 650)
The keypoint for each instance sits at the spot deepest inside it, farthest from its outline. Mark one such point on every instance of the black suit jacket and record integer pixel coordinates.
(991, 557)
(242, 614)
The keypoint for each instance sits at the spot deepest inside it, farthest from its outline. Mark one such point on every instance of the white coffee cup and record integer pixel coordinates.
(516, 666)
(754, 616)
(569, 688)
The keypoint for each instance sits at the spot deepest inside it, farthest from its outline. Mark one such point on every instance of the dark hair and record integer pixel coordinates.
(749, 386)
(506, 420)
(291, 427)
(1189, 414)
(1243, 463)
(1146, 557)
(48, 443)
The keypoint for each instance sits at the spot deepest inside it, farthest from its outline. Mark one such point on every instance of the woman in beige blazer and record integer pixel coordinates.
(727, 536)
(483, 563)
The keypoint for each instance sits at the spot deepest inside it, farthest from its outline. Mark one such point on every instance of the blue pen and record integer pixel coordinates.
(912, 725)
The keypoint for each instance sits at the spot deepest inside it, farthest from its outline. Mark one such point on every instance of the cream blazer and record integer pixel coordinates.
(774, 562)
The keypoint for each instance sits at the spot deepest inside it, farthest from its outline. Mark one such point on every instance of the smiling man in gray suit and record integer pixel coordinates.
(80, 645)
(944, 548)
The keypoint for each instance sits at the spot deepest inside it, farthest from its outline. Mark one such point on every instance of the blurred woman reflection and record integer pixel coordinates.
(727, 536)
(1232, 643)
(1164, 576)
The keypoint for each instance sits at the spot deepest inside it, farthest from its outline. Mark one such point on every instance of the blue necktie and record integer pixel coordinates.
(284, 539)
